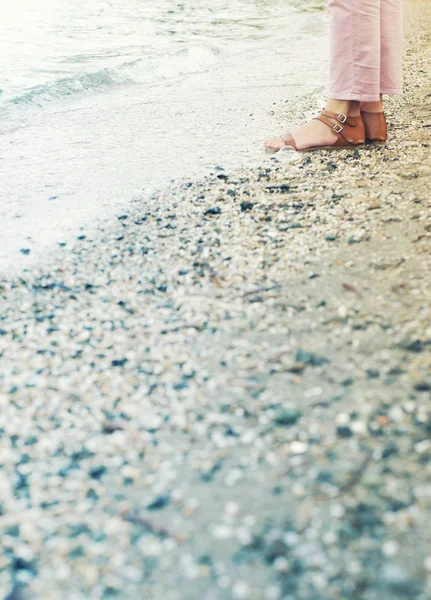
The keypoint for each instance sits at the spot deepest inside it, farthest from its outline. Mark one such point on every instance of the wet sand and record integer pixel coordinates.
(225, 393)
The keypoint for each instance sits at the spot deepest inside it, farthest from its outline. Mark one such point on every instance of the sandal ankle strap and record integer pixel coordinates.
(341, 118)
(347, 134)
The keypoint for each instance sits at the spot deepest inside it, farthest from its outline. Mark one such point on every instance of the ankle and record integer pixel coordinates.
(372, 107)
(351, 108)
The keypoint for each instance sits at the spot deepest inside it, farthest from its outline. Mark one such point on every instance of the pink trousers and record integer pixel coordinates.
(365, 49)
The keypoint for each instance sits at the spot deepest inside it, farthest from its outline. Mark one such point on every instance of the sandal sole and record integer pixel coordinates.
(314, 149)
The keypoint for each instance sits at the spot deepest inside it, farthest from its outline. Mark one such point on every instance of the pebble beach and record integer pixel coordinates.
(224, 392)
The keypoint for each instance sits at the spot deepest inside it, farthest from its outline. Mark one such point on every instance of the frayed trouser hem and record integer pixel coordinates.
(354, 96)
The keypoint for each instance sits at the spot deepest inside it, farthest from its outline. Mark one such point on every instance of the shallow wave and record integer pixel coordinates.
(148, 70)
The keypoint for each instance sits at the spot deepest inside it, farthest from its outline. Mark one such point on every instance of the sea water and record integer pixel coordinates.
(104, 101)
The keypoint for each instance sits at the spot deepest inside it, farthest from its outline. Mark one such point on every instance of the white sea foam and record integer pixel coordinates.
(149, 70)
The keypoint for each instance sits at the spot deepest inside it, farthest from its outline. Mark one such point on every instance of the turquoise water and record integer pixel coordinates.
(105, 100)
(57, 50)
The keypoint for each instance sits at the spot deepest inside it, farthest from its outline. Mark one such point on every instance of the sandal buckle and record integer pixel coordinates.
(337, 128)
(342, 118)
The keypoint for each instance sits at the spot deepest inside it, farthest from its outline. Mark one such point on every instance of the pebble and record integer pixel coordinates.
(287, 416)
(240, 590)
(423, 446)
(395, 574)
(281, 564)
(390, 548)
(298, 447)
(344, 432)
(216, 210)
(159, 503)
(272, 593)
(222, 532)
(231, 508)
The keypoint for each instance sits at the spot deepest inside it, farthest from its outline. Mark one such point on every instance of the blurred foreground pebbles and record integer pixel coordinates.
(227, 393)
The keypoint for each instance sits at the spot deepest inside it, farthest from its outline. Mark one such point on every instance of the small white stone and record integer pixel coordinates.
(342, 419)
(281, 564)
(342, 311)
(272, 593)
(114, 526)
(244, 536)
(320, 581)
(249, 520)
(247, 437)
(169, 544)
(192, 504)
(151, 546)
(187, 560)
(313, 392)
(358, 427)
(291, 538)
(240, 591)
(298, 447)
(271, 458)
(329, 538)
(427, 564)
(337, 511)
(62, 572)
(219, 440)
(395, 573)
(233, 477)
(130, 472)
(423, 446)
(177, 495)
(354, 567)
(231, 509)
(222, 532)
(390, 548)
(298, 489)
(192, 572)
(396, 414)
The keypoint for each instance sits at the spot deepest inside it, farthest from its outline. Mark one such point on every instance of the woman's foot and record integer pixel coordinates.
(372, 107)
(315, 133)
(374, 121)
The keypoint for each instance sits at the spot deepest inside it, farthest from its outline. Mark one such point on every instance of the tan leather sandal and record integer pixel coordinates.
(375, 126)
(350, 132)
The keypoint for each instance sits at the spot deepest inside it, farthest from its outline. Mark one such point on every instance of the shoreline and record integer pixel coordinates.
(76, 163)
(225, 393)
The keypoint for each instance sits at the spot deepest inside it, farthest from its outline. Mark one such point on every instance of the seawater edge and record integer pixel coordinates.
(82, 157)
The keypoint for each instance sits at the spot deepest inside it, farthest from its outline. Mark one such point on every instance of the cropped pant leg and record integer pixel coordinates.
(391, 47)
(365, 48)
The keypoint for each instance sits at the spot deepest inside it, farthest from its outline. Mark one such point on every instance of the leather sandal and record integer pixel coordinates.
(350, 132)
(375, 126)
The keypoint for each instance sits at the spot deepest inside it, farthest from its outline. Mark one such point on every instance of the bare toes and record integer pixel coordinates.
(273, 143)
